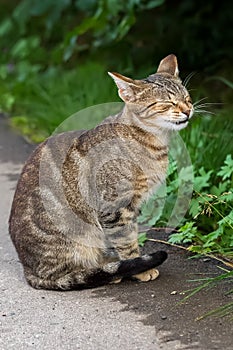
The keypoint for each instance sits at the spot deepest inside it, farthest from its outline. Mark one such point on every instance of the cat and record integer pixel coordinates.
(74, 214)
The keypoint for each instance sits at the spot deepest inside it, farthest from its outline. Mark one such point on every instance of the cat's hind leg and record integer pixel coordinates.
(64, 282)
(89, 278)
(124, 239)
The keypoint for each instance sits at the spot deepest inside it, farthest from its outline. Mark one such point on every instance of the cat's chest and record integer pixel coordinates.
(135, 176)
(156, 175)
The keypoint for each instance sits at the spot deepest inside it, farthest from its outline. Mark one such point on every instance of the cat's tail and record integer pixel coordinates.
(108, 273)
(125, 269)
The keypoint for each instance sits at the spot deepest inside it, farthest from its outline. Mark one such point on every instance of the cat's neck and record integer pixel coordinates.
(131, 116)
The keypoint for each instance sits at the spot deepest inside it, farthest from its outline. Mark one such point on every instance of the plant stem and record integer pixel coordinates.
(226, 263)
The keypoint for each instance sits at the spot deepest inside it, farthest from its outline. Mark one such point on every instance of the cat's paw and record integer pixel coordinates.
(148, 275)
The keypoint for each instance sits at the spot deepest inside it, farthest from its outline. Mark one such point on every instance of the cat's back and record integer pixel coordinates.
(44, 162)
(55, 148)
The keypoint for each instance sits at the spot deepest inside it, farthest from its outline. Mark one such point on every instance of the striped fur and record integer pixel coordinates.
(74, 214)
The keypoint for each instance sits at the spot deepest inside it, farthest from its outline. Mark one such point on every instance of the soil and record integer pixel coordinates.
(161, 300)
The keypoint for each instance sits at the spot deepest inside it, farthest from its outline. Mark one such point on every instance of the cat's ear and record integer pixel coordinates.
(169, 65)
(126, 86)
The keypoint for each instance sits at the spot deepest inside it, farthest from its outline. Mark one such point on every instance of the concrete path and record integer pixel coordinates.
(127, 316)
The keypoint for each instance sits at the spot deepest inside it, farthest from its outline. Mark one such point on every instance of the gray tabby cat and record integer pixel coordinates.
(73, 218)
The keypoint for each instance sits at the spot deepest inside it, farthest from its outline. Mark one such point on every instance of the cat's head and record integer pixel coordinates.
(160, 100)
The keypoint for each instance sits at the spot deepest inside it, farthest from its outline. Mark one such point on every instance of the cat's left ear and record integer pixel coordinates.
(169, 65)
(126, 87)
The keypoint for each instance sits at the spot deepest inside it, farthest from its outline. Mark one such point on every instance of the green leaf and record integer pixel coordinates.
(21, 14)
(142, 238)
(7, 101)
(152, 4)
(23, 47)
(5, 27)
(227, 169)
(202, 181)
(151, 210)
(125, 25)
(194, 208)
(3, 72)
(217, 191)
(185, 235)
(86, 5)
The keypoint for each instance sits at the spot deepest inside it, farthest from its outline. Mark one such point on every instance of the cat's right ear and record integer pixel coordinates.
(169, 65)
(126, 86)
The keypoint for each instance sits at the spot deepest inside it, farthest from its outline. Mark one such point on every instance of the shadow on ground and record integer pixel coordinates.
(159, 300)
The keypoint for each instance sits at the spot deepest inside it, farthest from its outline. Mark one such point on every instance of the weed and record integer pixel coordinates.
(208, 283)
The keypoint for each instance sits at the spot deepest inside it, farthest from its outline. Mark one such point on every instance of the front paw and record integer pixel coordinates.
(148, 275)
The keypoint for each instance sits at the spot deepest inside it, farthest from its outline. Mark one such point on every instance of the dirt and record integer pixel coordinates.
(161, 300)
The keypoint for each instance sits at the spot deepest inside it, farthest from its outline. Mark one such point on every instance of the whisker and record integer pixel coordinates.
(209, 104)
(189, 90)
(196, 111)
(201, 108)
(202, 99)
(188, 78)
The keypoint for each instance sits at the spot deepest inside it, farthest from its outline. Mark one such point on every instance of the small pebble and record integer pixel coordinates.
(174, 292)
(163, 317)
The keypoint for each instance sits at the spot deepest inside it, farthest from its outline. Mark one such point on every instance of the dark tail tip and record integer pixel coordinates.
(126, 268)
(158, 257)
(137, 265)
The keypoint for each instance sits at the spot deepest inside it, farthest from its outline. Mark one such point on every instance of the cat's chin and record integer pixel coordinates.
(169, 125)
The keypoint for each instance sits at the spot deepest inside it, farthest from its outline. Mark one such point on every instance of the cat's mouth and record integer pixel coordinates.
(179, 122)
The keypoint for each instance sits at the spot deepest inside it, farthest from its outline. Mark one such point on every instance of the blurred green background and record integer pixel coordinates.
(55, 53)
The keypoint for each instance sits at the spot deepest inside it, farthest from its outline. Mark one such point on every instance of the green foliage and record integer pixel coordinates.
(142, 238)
(227, 169)
(147, 29)
(211, 213)
(186, 234)
(209, 139)
(34, 27)
(202, 180)
(208, 223)
(152, 210)
(40, 104)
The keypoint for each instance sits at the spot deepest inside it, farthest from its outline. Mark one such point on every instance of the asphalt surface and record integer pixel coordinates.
(130, 315)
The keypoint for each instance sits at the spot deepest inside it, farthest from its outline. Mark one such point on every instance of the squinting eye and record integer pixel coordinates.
(188, 99)
(152, 104)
